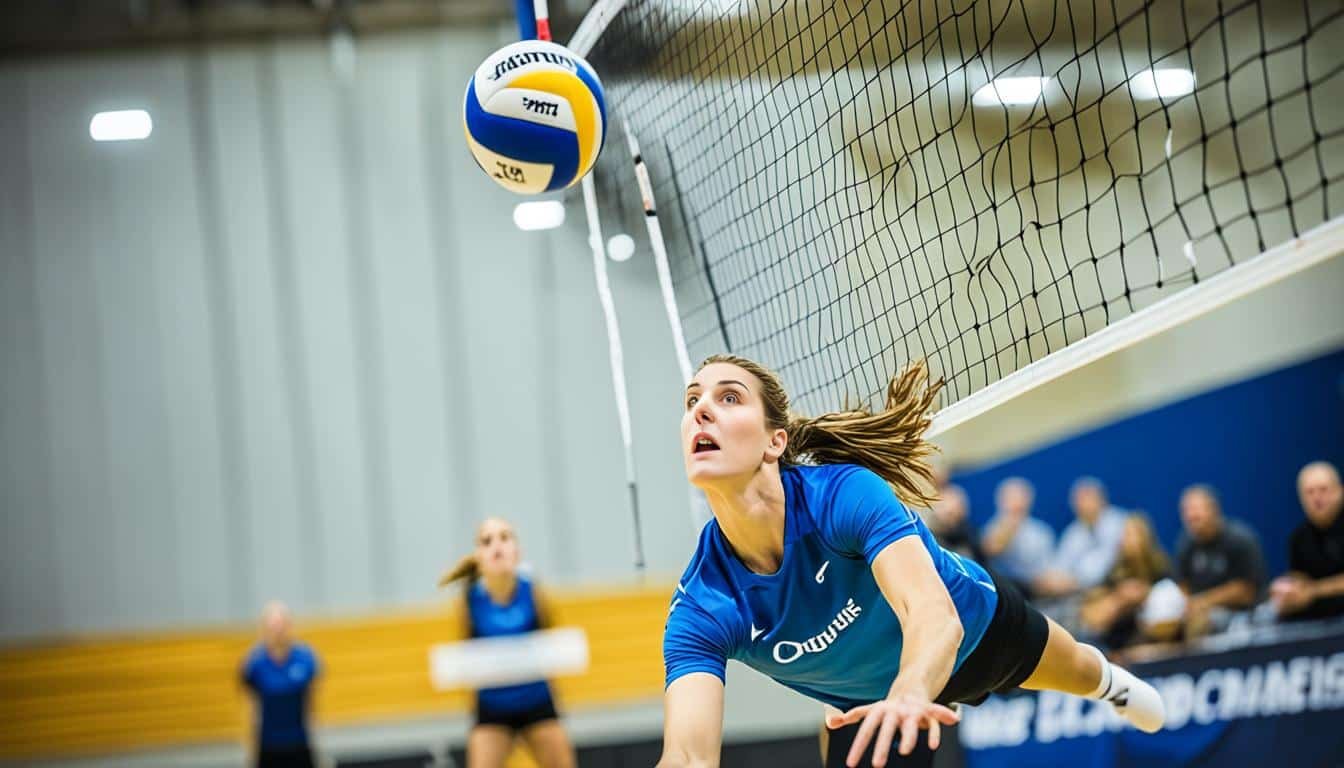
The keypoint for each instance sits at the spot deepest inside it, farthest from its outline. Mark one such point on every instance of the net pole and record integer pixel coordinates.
(594, 23)
(699, 505)
(659, 254)
(543, 15)
(615, 355)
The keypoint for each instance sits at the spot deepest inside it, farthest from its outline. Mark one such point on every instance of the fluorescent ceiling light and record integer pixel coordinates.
(121, 125)
(621, 247)
(1008, 91)
(1162, 83)
(539, 214)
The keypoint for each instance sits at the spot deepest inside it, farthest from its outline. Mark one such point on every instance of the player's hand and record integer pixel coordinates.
(905, 712)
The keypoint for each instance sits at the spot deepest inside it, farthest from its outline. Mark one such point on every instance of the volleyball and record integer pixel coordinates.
(534, 116)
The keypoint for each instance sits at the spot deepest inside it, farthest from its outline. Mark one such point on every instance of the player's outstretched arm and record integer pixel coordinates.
(692, 722)
(932, 632)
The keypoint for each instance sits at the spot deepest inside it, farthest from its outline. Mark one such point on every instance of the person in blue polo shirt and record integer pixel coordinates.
(279, 672)
(816, 573)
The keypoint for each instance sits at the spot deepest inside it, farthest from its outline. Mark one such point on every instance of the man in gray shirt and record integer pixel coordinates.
(1015, 544)
(1089, 546)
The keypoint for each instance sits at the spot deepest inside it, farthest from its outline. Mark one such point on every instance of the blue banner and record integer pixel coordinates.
(1279, 705)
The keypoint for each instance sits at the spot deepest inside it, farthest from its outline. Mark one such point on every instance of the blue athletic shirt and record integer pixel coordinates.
(515, 618)
(282, 689)
(820, 624)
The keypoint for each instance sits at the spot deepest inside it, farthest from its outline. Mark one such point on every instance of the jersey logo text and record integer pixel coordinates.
(788, 651)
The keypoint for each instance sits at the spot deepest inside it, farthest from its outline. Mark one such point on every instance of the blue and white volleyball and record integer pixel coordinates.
(535, 117)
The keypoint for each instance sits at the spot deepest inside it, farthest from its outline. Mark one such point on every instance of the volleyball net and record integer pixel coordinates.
(1005, 189)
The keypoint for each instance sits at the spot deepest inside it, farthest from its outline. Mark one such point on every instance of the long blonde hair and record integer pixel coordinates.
(1151, 563)
(889, 442)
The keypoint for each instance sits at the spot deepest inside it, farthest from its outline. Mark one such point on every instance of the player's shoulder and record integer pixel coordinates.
(255, 655)
(828, 494)
(708, 586)
(526, 584)
(821, 476)
(816, 488)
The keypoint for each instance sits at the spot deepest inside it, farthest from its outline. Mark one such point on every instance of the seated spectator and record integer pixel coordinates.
(1088, 547)
(1015, 544)
(279, 672)
(1314, 586)
(1218, 563)
(1110, 611)
(949, 519)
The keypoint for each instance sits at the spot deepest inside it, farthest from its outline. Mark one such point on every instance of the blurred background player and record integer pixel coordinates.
(501, 602)
(280, 672)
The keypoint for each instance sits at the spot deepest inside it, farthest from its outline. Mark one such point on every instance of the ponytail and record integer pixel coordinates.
(890, 442)
(467, 569)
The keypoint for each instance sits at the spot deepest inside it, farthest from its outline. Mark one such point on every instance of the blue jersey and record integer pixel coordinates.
(818, 625)
(282, 691)
(491, 620)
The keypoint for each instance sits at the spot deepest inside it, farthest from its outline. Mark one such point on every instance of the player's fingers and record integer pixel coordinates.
(852, 716)
(862, 738)
(909, 734)
(882, 747)
(831, 716)
(942, 714)
(935, 734)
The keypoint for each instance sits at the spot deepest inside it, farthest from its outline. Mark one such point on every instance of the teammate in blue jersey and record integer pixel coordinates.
(815, 573)
(280, 672)
(502, 602)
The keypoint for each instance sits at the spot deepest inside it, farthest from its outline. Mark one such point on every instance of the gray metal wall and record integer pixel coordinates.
(293, 345)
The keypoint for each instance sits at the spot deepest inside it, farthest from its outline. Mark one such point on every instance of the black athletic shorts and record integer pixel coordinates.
(517, 720)
(284, 757)
(1006, 656)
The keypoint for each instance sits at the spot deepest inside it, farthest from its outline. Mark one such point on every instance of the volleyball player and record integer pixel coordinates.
(501, 602)
(280, 673)
(815, 573)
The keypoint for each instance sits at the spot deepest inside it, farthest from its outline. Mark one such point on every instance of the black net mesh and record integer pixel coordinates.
(846, 186)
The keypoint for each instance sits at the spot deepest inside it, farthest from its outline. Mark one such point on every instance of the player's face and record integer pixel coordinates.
(723, 430)
(496, 548)
(276, 628)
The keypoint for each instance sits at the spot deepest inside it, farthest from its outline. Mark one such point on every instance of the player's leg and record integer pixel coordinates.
(550, 744)
(1080, 669)
(488, 746)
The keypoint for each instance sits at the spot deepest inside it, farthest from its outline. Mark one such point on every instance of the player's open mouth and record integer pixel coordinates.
(703, 443)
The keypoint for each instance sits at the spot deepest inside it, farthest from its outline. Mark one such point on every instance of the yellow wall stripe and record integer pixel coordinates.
(102, 695)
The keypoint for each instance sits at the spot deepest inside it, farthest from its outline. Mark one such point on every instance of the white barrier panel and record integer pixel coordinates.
(494, 661)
